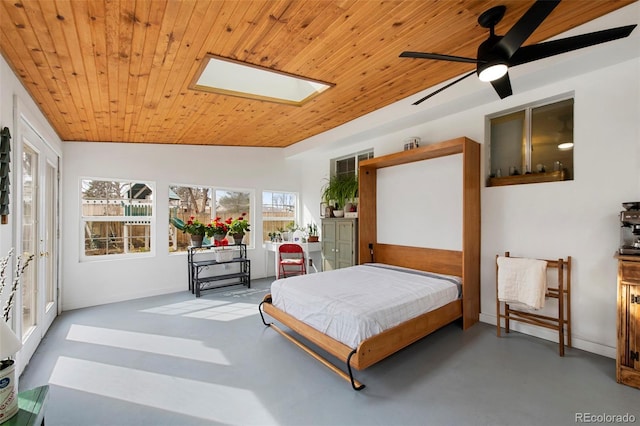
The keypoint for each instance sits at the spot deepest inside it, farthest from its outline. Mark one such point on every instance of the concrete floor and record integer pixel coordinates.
(178, 360)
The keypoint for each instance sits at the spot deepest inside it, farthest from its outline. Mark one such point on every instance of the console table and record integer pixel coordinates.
(206, 258)
(308, 248)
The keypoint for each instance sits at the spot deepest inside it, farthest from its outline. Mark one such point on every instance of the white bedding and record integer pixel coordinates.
(353, 304)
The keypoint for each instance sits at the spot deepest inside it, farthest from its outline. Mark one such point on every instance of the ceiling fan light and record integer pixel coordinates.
(493, 72)
(565, 146)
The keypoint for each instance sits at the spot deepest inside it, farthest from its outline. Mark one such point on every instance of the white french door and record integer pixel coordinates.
(37, 234)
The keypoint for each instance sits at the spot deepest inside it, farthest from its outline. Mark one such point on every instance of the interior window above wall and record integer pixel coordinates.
(117, 217)
(348, 165)
(533, 144)
(279, 210)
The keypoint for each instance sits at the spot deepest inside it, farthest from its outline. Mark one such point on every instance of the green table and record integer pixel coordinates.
(32, 403)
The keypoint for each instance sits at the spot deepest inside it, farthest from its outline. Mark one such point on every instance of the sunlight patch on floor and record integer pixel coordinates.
(182, 308)
(228, 312)
(208, 401)
(216, 310)
(144, 342)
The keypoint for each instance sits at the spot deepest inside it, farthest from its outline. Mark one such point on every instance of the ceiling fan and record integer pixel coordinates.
(498, 53)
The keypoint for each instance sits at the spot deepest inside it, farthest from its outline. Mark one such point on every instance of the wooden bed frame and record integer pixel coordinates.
(464, 263)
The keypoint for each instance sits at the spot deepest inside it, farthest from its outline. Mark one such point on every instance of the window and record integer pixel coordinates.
(534, 144)
(231, 77)
(205, 204)
(348, 165)
(116, 217)
(279, 209)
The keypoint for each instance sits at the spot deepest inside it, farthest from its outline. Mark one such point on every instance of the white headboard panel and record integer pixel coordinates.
(420, 203)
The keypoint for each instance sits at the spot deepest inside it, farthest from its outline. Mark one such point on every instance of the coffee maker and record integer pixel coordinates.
(630, 228)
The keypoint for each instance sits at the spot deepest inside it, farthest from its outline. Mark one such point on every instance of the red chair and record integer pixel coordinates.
(291, 260)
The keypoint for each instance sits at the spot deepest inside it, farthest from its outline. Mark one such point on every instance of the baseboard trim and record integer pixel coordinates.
(543, 333)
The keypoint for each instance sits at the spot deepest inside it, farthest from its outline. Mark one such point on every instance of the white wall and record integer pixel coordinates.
(96, 282)
(576, 218)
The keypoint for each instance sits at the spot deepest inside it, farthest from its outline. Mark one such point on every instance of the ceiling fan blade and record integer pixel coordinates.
(442, 88)
(522, 29)
(551, 48)
(503, 86)
(438, 57)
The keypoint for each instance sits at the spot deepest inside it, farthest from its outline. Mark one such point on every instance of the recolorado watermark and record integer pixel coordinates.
(604, 418)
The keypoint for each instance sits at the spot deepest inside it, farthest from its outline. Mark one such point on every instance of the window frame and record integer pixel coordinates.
(212, 189)
(150, 218)
(296, 214)
(333, 164)
(523, 177)
(252, 207)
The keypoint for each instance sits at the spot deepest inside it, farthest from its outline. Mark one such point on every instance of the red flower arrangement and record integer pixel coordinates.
(195, 227)
(239, 225)
(220, 227)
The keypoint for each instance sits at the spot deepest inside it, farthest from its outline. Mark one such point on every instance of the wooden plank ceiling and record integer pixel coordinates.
(119, 70)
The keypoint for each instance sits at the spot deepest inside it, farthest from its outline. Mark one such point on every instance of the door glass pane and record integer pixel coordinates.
(29, 237)
(50, 238)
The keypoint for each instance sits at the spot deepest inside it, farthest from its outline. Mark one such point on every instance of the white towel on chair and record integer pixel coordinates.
(522, 281)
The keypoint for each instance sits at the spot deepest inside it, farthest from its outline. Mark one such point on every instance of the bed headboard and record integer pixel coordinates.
(447, 262)
(465, 263)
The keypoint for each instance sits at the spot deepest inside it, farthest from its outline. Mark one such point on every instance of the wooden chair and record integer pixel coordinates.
(291, 260)
(561, 322)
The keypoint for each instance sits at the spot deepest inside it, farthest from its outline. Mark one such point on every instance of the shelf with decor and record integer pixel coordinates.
(527, 178)
(213, 259)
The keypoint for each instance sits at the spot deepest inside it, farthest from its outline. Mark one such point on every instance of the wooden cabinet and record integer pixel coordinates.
(339, 243)
(627, 357)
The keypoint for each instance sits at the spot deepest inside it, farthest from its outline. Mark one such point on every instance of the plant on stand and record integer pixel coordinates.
(196, 229)
(9, 342)
(239, 227)
(219, 229)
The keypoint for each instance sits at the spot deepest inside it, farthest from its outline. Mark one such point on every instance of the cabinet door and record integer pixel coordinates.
(629, 321)
(345, 244)
(634, 326)
(328, 245)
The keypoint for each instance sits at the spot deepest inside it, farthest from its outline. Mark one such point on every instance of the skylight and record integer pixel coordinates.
(228, 77)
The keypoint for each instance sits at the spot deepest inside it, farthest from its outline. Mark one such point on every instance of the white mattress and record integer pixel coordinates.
(353, 304)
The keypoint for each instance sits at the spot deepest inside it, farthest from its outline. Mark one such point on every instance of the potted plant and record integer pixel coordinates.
(286, 233)
(312, 230)
(219, 229)
(196, 229)
(239, 227)
(341, 189)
